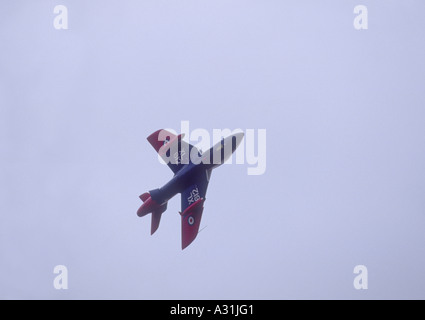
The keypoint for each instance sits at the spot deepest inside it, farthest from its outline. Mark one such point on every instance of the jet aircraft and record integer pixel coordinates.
(192, 171)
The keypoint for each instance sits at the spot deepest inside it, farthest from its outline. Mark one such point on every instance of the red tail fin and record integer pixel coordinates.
(150, 206)
(156, 217)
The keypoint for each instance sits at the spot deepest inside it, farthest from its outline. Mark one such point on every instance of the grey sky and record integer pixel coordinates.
(344, 112)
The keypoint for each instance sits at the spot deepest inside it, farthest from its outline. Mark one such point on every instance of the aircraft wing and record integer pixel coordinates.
(172, 149)
(193, 199)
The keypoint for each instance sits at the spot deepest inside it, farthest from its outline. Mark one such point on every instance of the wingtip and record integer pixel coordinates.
(153, 231)
(186, 242)
(185, 245)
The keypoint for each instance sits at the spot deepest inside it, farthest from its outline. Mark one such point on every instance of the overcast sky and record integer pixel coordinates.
(344, 112)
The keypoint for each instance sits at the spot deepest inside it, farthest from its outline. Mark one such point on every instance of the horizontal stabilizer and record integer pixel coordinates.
(150, 206)
(144, 196)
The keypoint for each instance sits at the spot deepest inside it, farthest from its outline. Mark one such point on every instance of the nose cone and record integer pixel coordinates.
(231, 143)
(236, 140)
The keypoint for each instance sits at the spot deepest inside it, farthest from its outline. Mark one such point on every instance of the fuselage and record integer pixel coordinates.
(206, 162)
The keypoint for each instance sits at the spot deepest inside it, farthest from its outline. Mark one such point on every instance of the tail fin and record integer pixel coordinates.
(150, 206)
(156, 217)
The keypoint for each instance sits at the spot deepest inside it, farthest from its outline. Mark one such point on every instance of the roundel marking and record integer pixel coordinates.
(191, 221)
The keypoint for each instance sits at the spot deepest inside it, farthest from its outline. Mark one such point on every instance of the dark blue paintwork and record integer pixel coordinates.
(199, 173)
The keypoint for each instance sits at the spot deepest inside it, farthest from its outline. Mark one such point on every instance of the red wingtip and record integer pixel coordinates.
(191, 220)
(158, 138)
(156, 219)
